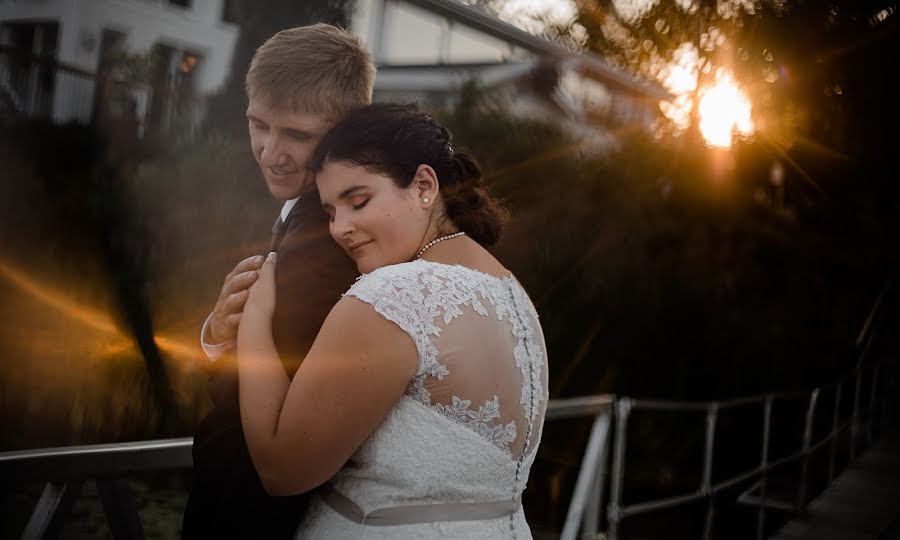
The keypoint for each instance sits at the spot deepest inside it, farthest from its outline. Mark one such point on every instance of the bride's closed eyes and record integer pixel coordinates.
(359, 203)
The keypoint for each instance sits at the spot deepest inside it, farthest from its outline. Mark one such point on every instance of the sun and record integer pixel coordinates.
(724, 110)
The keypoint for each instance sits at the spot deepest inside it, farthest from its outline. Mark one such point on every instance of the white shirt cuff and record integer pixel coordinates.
(213, 352)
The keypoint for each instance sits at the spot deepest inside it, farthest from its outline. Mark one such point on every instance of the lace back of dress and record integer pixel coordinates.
(488, 366)
(482, 359)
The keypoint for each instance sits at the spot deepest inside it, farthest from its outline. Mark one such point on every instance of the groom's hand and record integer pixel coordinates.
(226, 316)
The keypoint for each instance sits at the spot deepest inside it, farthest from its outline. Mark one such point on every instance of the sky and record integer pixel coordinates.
(516, 11)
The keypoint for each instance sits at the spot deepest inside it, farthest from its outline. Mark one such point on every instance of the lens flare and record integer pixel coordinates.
(93, 318)
(724, 109)
(117, 341)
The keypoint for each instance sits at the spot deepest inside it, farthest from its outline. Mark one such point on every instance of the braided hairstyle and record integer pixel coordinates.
(393, 140)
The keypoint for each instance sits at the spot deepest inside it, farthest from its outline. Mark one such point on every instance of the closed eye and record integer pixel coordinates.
(297, 135)
(360, 205)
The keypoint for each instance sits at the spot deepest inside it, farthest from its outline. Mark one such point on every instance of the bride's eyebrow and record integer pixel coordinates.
(350, 191)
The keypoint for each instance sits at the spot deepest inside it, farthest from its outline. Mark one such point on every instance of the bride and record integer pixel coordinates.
(418, 411)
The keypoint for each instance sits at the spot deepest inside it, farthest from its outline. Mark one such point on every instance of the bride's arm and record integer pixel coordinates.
(300, 433)
(263, 383)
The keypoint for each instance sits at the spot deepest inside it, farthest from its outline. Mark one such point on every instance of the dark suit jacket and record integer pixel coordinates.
(227, 499)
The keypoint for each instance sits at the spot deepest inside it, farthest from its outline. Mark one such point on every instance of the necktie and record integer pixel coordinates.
(277, 234)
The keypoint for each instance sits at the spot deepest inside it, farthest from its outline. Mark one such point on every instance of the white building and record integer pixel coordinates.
(193, 42)
(429, 49)
(426, 50)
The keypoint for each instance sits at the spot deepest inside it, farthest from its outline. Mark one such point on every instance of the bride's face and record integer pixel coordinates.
(376, 222)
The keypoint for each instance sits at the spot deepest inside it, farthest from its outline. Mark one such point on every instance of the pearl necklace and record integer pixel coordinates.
(438, 240)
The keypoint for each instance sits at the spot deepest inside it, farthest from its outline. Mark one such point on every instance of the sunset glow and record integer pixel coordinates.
(115, 341)
(91, 317)
(724, 110)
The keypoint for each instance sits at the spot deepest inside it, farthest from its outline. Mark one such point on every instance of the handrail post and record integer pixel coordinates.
(835, 422)
(593, 515)
(56, 500)
(120, 509)
(807, 439)
(614, 514)
(888, 392)
(711, 415)
(854, 425)
(870, 420)
(587, 476)
(888, 396)
(763, 466)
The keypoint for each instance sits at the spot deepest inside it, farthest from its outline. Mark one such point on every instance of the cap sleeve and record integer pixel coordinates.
(398, 294)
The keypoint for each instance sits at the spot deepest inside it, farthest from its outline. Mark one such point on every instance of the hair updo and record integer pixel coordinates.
(393, 140)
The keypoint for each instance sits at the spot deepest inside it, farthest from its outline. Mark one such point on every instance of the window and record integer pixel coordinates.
(26, 82)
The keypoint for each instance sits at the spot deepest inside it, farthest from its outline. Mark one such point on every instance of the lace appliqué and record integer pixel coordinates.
(481, 421)
(413, 295)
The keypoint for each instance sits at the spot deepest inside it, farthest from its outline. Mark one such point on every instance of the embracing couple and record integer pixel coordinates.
(379, 374)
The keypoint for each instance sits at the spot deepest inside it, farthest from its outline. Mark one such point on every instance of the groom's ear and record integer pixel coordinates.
(426, 185)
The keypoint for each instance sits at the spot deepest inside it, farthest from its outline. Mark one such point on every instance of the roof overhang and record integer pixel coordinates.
(588, 63)
(448, 77)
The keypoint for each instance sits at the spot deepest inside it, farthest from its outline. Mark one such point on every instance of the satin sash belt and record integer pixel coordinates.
(416, 513)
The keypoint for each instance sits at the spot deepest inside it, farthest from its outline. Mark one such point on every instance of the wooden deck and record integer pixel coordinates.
(862, 504)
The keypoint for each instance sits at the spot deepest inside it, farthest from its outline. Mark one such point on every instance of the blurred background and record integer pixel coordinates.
(703, 193)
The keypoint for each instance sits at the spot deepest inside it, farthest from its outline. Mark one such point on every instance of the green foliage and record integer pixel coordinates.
(659, 271)
(655, 273)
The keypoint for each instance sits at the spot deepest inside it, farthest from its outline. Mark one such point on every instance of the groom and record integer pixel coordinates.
(300, 82)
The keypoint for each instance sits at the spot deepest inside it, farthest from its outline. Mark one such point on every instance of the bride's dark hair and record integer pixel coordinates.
(393, 140)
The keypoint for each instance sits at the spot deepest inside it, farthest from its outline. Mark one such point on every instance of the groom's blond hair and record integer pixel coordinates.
(317, 69)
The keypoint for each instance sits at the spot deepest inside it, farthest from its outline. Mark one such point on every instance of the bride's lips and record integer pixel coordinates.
(352, 248)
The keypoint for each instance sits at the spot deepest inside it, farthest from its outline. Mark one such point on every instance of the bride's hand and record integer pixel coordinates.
(262, 293)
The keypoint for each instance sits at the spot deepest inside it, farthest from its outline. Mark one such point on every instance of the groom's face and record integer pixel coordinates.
(282, 141)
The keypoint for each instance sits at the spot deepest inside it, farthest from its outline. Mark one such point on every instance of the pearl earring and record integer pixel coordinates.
(425, 200)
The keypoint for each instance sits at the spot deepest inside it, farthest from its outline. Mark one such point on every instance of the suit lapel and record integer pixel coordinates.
(295, 215)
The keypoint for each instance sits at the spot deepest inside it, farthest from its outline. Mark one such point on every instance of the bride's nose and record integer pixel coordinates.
(341, 226)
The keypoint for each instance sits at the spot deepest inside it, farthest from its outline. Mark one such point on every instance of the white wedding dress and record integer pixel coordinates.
(463, 437)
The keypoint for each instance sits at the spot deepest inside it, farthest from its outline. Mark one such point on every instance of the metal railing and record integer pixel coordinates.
(587, 497)
(708, 490)
(36, 86)
(66, 469)
(585, 508)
